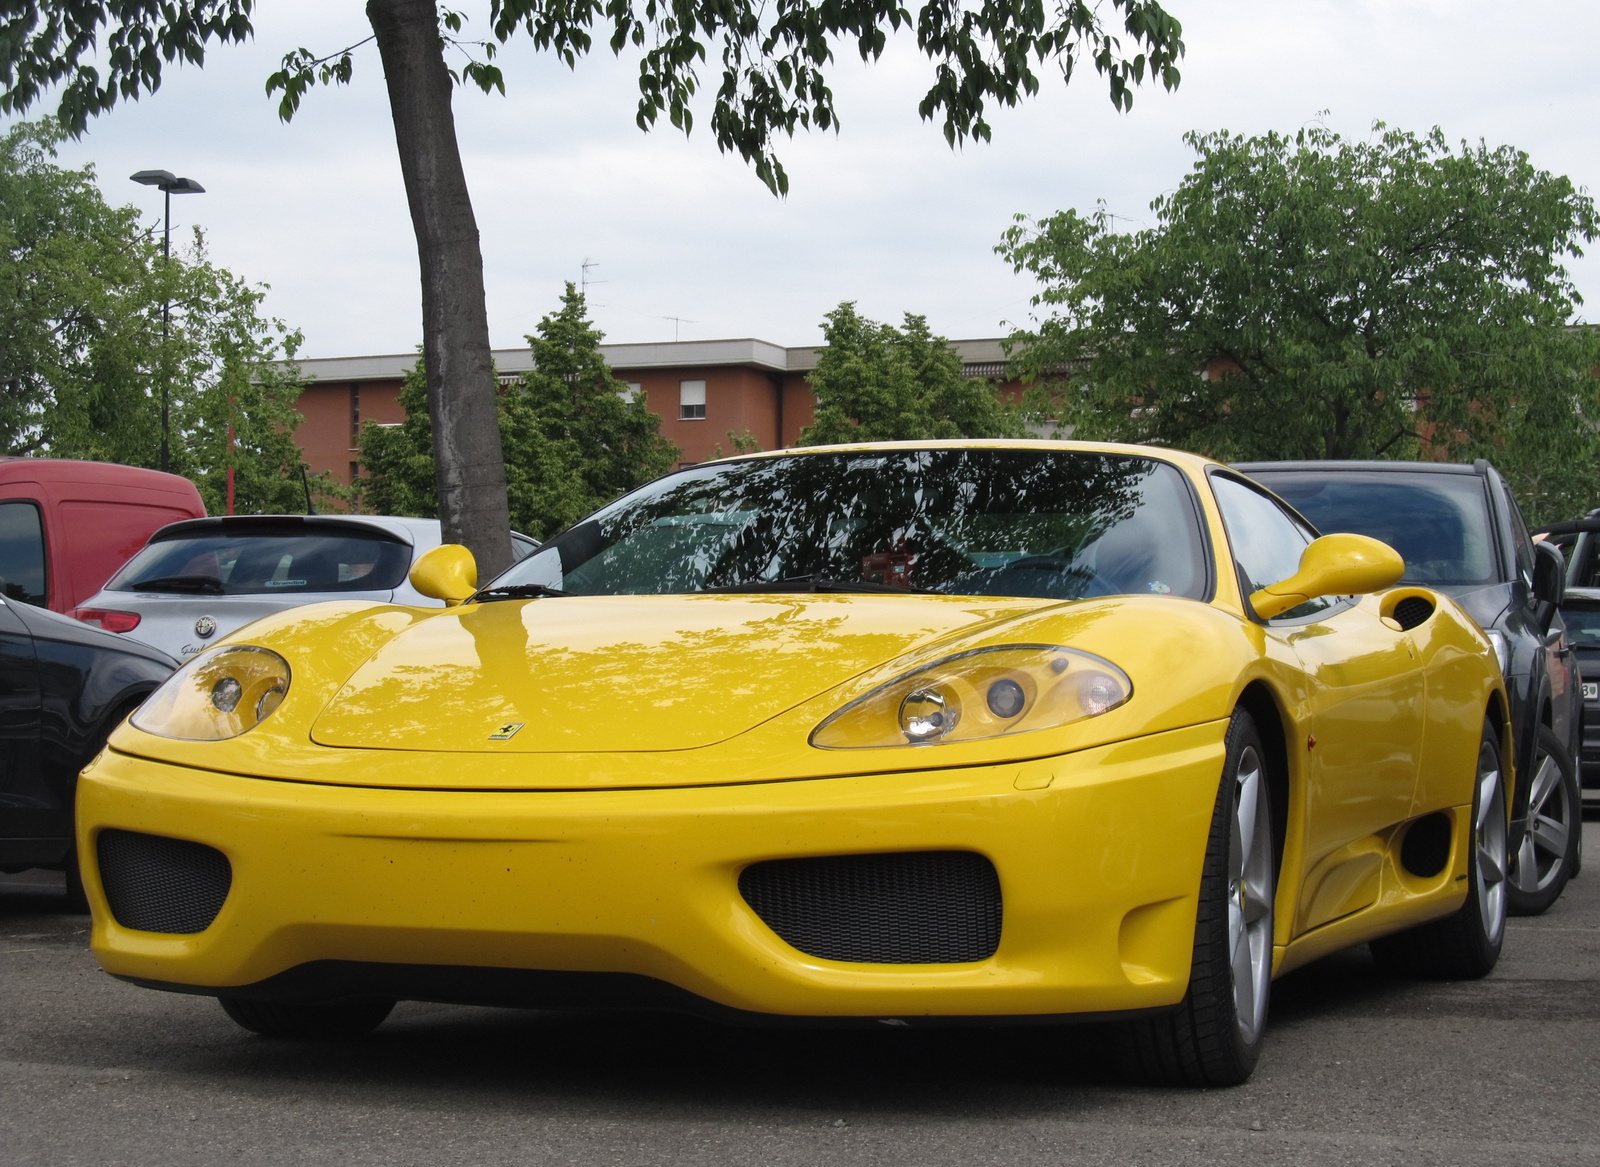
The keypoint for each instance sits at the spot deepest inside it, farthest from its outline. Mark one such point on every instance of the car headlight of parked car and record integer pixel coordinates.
(218, 695)
(985, 692)
(1502, 650)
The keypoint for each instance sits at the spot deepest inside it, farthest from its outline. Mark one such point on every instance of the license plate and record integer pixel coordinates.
(1591, 690)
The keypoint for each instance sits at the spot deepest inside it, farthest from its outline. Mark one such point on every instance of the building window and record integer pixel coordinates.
(355, 416)
(355, 472)
(691, 400)
(632, 393)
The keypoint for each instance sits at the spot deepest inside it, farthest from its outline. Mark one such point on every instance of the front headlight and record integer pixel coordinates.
(218, 695)
(1502, 650)
(986, 692)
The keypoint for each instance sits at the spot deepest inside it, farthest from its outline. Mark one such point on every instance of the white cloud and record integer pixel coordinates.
(883, 212)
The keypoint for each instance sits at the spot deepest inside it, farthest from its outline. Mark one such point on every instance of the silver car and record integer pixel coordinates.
(198, 580)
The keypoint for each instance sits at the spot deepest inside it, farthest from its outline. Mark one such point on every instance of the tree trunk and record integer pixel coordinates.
(468, 461)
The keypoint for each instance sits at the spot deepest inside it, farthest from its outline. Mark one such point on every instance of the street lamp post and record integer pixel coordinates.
(169, 184)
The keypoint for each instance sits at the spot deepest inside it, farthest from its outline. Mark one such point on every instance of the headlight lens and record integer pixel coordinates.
(986, 692)
(218, 695)
(1502, 650)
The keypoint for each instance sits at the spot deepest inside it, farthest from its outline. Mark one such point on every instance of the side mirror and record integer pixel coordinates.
(1549, 583)
(447, 573)
(1334, 565)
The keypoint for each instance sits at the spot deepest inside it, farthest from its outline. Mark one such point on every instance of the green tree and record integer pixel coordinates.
(1307, 296)
(772, 80)
(81, 352)
(573, 439)
(76, 293)
(878, 383)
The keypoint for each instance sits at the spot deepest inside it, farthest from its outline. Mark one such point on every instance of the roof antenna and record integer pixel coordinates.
(306, 482)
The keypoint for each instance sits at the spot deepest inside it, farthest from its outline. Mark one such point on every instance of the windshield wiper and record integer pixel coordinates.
(814, 583)
(208, 585)
(515, 592)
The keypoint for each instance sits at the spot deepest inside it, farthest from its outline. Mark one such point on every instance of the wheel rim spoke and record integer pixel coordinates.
(1551, 835)
(1546, 781)
(1524, 874)
(1489, 838)
(1250, 897)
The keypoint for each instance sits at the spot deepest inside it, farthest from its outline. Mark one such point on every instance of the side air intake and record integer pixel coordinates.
(915, 907)
(157, 884)
(1411, 611)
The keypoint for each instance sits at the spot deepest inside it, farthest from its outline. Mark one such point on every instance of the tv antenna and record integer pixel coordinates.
(676, 321)
(583, 280)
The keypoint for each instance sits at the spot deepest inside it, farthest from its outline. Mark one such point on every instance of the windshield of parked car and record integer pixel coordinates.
(997, 522)
(1583, 625)
(1439, 523)
(266, 562)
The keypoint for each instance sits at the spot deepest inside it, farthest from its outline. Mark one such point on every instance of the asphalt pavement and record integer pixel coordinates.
(1358, 1069)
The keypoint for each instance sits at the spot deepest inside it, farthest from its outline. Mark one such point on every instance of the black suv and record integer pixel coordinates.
(1580, 612)
(1460, 532)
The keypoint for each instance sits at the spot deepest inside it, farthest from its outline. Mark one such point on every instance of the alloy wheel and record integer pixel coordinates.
(1539, 860)
(1489, 837)
(1250, 896)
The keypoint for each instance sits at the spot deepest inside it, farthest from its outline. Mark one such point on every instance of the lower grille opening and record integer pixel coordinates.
(157, 884)
(913, 907)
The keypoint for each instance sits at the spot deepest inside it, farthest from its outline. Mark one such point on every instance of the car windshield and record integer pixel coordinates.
(998, 522)
(1439, 523)
(1583, 626)
(266, 562)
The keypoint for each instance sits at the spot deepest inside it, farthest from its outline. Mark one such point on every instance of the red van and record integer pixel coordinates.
(65, 526)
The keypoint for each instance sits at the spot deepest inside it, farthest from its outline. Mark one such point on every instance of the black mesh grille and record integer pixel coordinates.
(916, 907)
(156, 884)
(1411, 611)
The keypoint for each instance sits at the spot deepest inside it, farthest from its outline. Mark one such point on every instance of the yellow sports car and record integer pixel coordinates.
(898, 732)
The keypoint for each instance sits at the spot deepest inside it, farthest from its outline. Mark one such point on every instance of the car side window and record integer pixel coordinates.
(1519, 535)
(22, 558)
(1266, 540)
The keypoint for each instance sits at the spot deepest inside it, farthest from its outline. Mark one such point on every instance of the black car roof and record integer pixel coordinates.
(1324, 465)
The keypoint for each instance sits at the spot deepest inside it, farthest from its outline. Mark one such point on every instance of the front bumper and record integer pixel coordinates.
(1098, 854)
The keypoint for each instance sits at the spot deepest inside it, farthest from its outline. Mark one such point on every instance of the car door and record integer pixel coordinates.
(1366, 697)
(22, 807)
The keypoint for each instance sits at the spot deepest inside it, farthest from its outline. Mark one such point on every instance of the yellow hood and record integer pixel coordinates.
(626, 673)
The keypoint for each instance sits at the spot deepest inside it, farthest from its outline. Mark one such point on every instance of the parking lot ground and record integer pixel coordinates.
(1358, 1069)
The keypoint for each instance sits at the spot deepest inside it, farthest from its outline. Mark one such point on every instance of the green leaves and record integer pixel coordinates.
(302, 69)
(43, 45)
(877, 383)
(1306, 296)
(772, 57)
(82, 355)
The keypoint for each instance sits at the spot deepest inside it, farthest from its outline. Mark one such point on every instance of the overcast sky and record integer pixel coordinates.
(883, 212)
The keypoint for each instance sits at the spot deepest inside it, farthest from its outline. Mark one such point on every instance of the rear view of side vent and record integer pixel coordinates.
(916, 907)
(1411, 611)
(156, 884)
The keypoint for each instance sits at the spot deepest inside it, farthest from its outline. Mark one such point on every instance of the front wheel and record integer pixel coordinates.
(334, 1020)
(1214, 1036)
(1548, 856)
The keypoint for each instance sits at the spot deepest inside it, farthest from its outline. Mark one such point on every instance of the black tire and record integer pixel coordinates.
(1204, 1041)
(1548, 856)
(333, 1021)
(1466, 945)
(77, 899)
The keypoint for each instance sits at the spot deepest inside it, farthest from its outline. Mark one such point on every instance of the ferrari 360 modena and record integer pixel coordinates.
(903, 732)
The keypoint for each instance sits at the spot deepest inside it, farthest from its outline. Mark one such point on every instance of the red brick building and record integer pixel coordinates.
(701, 390)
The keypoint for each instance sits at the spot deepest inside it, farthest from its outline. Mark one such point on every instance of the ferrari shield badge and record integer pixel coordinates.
(505, 731)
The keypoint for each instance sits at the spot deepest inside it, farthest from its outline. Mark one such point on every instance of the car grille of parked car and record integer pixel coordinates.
(915, 907)
(156, 884)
